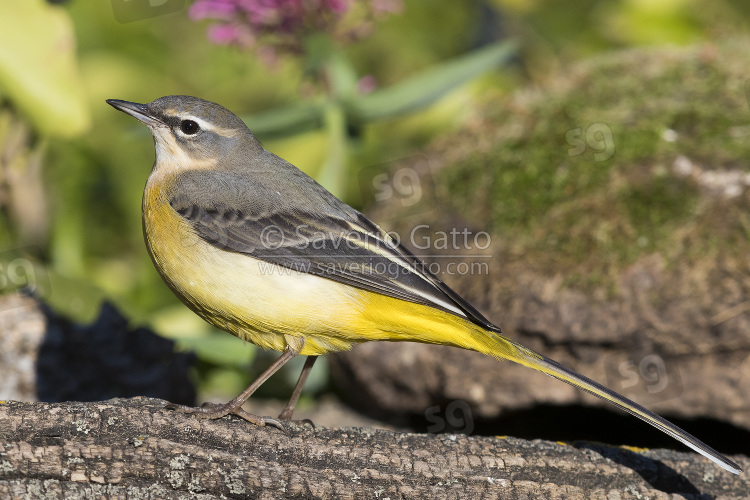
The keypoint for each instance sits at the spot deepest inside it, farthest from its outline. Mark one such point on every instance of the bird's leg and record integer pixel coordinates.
(286, 413)
(213, 410)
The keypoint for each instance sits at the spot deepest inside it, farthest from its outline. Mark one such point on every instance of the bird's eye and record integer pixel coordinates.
(189, 127)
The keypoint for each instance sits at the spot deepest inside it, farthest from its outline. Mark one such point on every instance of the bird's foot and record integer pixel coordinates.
(214, 410)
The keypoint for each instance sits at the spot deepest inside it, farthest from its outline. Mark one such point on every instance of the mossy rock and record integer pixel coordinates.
(641, 152)
(616, 196)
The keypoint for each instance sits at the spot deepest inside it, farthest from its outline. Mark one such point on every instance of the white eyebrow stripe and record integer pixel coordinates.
(226, 132)
(201, 122)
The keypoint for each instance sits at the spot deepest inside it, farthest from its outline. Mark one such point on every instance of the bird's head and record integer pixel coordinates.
(191, 133)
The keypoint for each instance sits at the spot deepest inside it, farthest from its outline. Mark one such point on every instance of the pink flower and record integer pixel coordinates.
(284, 24)
(223, 34)
(212, 9)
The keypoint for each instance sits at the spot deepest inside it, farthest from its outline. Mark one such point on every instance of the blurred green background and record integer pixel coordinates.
(73, 169)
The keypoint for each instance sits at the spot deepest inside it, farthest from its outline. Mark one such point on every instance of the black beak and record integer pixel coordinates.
(140, 111)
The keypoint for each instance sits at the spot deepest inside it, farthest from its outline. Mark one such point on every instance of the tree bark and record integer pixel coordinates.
(135, 448)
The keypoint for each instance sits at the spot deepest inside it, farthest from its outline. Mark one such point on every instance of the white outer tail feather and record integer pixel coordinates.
(558, 371)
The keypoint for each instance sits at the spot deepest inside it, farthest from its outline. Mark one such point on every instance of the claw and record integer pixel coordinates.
(307, 421)
(260, 421)
(303, 422)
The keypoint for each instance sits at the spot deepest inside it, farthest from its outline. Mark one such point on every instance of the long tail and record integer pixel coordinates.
(534, 360)
(387, 318)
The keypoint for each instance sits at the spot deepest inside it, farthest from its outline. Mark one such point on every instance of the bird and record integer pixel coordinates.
(258, 248)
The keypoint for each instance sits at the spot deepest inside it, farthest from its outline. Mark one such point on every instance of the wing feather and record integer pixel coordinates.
(349, 249)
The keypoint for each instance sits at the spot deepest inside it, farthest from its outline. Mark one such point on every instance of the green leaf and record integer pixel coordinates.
(401, 98)
(221, 349)
(333, 173)
(286, 120)
(430, 85)
(38, 70)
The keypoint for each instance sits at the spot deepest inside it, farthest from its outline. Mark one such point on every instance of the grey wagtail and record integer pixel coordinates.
(257, 248)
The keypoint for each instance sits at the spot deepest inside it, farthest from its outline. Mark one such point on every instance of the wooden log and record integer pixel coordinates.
(135, 448)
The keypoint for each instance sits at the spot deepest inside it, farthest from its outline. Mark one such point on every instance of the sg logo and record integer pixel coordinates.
(18, 271)
(410, 185)
(652, 376)
(457, 418)
(598, 136)
(404, 183)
